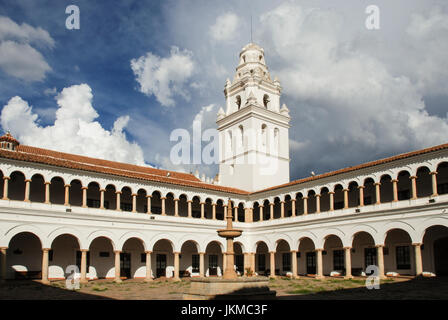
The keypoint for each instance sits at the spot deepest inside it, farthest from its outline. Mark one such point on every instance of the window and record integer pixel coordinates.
(156, 210)
(261, 262)
(442, 188)
(403, 257)
(370, 256)
(263, 134)
(239, 262)
(126, 206)
(93, 203)
(286, 261)
(238, 102)
(338, 260)
(50, 255)
(104, 254)
(338, 205)
(195, 263)
(404, 195)
(266, 100)
(213, 261)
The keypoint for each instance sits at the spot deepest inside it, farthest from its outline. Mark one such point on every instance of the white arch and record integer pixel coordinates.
(162, 236)
(363, 228)
(129, 235)
(336, 232)
(187, 238)
(265, 240)
(422, 226)
(23, 228)
(65, 230)
(284, 237)
(102, 233)
(218, 241)
(310, 235)
(397, 225)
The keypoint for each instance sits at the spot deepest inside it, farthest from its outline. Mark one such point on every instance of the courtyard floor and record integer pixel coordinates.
(163, 289)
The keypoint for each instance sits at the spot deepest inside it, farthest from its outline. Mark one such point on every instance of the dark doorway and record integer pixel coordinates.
(160, 265)
(311, 262)
(441, 256)
(239, 262)
(125, 265)
(213, 265)
(370, 257)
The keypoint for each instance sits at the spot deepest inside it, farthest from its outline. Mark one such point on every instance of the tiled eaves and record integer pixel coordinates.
(357, 167)
(58, 159)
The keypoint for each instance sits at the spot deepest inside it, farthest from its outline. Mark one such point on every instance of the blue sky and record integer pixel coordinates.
(354, 94)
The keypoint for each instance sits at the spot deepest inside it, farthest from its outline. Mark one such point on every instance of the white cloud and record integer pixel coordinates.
(225, 27)
(74, 130)
(17, 57)
(164, 77)
(350, 102)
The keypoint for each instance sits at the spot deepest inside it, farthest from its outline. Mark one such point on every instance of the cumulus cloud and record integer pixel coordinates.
(74, 130)
(345, 101)
(164, 77)
(225, 27)
(18, 58)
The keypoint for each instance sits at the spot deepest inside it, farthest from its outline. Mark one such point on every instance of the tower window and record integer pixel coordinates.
(238, 102)
(263, 134)
(244, 59)
(265, 100)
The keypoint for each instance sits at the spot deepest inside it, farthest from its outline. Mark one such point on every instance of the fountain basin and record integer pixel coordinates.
(241, 288)
(230, 233)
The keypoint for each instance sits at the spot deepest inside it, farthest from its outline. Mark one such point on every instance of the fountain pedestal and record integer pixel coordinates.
(230, 286)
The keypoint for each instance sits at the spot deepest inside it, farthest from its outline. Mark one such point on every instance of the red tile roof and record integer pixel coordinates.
(360, 166)
(72, 161)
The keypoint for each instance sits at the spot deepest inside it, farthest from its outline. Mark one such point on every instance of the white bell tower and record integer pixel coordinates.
(253, 130)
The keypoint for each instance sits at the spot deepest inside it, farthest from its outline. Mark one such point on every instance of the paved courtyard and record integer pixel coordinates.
(303, 288)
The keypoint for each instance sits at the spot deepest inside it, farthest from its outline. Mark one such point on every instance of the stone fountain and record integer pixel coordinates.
(230, 286)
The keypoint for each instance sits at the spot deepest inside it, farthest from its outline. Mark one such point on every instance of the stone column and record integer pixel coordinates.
(84, 265)
(148, 204)
(293, 208)
(235, 213)
(162, 199)
(3, 263)
(148, 276)
(319, 264)
(176, 266)
(282, 209)
(47, 192)
(84, 197)
(260, 210)
(395, 191)
(189, 208)
(345, 198)
(271, 212)
(348, 263)
(117, 266)
(294, 263)
(202, 210)
(246, 262)
(5, 188)
(224, 262)
(413, 187)
(377, 192)
(213, 211)
(45, 265)
(225, 210)
(134, 202)
(317, 203)
(418, 258)
(118, 193)
(434, 183)
(27, 190)
(176, 207)
(361, 196)
(331, 193)
(201, 264)
(272, 264)
(102, 198)
(252, 262)
(380, 256)
(248, 215)
(305, 206)
(67, 195)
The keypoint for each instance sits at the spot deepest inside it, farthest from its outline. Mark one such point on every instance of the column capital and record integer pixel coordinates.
(201, 203)
(345, 248)
(379, 246)
(47, 182)
(118, 192)
(331, 192)
(260, 206)
(65, 185)
(177, 252)
(377, 184)
(84, 188)
(148, 251)
(282, 201)
(175, 199)
(345, 190)
(46, 249)
(320, 249)
(162, 198)
(190, 201)
(293, 199)
(134, 195)
(6, 178)
(415, 244)
(433, 172)
(3, 248)
(148, 196)
(413, 177)
(317, 195)
(271, 252)
(201, 253)
(117, 251)
(361, 187)
(394, 180)
(305, 198)
(214, 204)
(102, 190)
(29, 180)
(294, 251)
(84, 250)
(271, 203)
